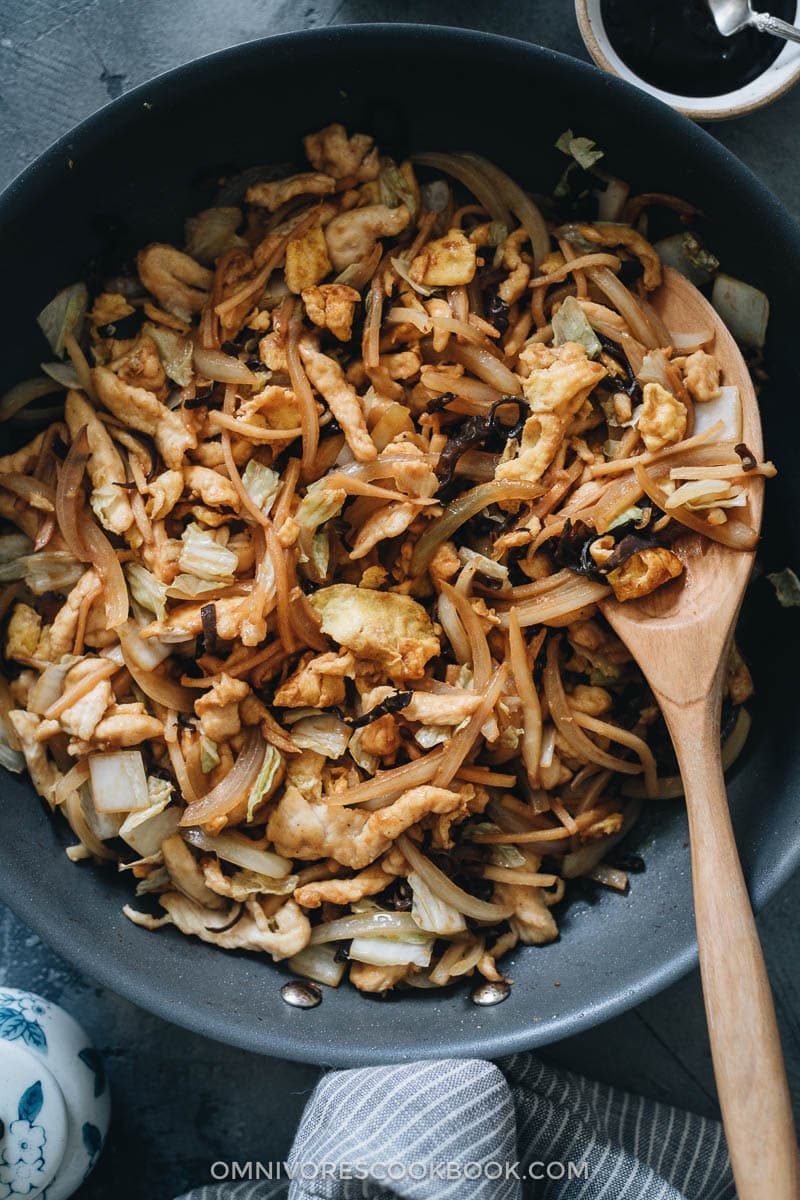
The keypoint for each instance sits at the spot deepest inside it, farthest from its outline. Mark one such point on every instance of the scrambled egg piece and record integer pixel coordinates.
(541, 437)
(391, 630)
(317, 682)
(446, 262)
(594, 701)
(351, 236)
(23, 633)
(701, 372)
(307, 260)
(561, 379)
(109, 307)
(332, 306)
(644, 572)
(331, 150)
(273, 194)
(662, 421)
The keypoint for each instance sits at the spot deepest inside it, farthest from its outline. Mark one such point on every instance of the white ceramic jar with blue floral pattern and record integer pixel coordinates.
(54, 1101)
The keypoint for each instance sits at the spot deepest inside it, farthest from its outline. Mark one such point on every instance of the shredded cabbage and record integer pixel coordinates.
(324, 733)
(103, 825)
(11, 759)
(252, 883)
(156, 881)
(63, 315)
(320, 503)
(787, 587)
(47, 571)
(432, 914)
(319, 963)
(119, 782)
(743, 308)
(203, 556)
(395, 188)
(262, 484)
(268, 779)
(212, 232)
(14, 546)
(147, 589)
(385, 952)
(175, 352)
(209, 755)
(582, 149)
(570, 324)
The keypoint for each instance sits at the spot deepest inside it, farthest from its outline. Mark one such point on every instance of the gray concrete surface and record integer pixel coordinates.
(180, 1101)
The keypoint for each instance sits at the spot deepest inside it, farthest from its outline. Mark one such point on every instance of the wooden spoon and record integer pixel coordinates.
(680, 636)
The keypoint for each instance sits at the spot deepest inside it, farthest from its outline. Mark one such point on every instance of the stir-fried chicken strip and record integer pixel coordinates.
(299, 594)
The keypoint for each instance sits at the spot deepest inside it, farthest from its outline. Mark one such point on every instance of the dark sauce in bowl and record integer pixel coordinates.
(675, 45)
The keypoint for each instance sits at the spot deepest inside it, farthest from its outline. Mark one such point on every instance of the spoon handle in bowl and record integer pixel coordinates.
(745, 1045)
(766, 23)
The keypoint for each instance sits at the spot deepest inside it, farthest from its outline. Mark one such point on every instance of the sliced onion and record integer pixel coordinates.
(445, 889)
(488, 367)
(319, 963)
(400, 925)
(670, 787)
(35, 493)
(520, 204)
(234, 788)
(626, 304)
(386, 784)
(725, 408)
(733, 533)
(585, 858)
(69, 495)
(496, 492)
(473, 179)
(24, 393)
(559, 602)
(402, 270)
(562, 714)
(156, 687)
(239, 850)
(214, 364)
(102, 555)
(459, 747)
(309, 419)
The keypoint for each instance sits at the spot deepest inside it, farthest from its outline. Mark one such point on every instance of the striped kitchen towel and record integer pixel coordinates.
(472, 1130)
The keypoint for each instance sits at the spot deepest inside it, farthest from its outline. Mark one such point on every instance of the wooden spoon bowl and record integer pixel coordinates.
(680, 636)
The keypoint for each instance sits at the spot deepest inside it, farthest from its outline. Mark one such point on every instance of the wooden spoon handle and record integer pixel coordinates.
(745, 1045)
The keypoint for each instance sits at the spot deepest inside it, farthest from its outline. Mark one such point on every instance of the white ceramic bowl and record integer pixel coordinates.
(54, 1102)
(783, 73)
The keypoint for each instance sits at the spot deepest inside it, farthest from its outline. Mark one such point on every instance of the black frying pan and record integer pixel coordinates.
(129, 175)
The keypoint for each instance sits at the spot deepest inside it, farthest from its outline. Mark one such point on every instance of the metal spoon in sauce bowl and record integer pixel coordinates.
(732, 16)
(680, 636)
